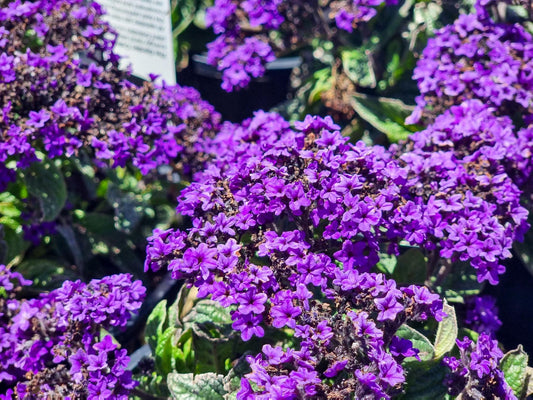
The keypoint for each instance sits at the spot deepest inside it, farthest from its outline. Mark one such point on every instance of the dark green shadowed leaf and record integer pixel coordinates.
(410, 267)
(384, 114)
(45, 182)
(424, 381)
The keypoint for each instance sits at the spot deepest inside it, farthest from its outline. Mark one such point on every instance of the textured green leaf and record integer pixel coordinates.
(419, 341)
(446, 332)
(384, 114)
(209, 386)
(155, 323)
(514, 367)
(208, 311)
(45, 182)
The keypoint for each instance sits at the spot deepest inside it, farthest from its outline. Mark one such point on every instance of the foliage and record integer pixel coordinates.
(299, 262)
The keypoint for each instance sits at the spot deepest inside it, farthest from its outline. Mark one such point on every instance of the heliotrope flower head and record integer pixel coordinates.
(51, 346)
(476, 373)
(245, 44)
(476, 58)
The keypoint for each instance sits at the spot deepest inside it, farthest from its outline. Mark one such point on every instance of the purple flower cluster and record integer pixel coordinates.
(245, 42)
(476, 374)
(482, 314)
(52, 347)
(281, 213)
(476, 58)
(341, 343)
(59, 103)
(465, 168)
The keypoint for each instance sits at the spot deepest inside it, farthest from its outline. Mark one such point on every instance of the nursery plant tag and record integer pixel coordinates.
(144, 39)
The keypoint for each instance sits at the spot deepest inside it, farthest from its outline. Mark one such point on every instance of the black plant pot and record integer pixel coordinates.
(262, 93)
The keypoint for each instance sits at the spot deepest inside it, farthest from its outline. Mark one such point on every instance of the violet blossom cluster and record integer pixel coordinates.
(52, 346)
(252, 32)
(466, 171)
(62, 92)
(475, 375)
(478, 58)
(482, 314)
(280, 214)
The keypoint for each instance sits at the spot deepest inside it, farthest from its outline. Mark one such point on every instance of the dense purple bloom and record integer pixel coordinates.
(267, 176)
(476, 373)
(482, 314)
(53, 342)
(244, 45)
(476, 58)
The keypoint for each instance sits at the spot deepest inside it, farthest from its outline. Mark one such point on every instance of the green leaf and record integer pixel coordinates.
(514, 367)
(154, 384)
(356, 64)
(45, 274)
(67, 233)
(322, 82)
(16, 245)
(529, 382)
(387, 263)
(155, 323)
(424, 381)
(128, 211)
(460, 282)
(3, 246)
(411, 267)
(446, 332)
(384, 114)
(209, 386)
(185, 301)
(164, 351)
(206, 310)
(419, 341)
(9, 205)
(524, 250)
(232, 381)
(45, 182)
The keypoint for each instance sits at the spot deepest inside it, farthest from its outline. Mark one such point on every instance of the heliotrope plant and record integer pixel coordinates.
(476, 57)
(251, 32)
(62, 91)
(288, 223)
(63, 95)
(52, 346)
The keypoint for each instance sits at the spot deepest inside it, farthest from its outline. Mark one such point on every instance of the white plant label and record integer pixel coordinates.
(144, 30)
